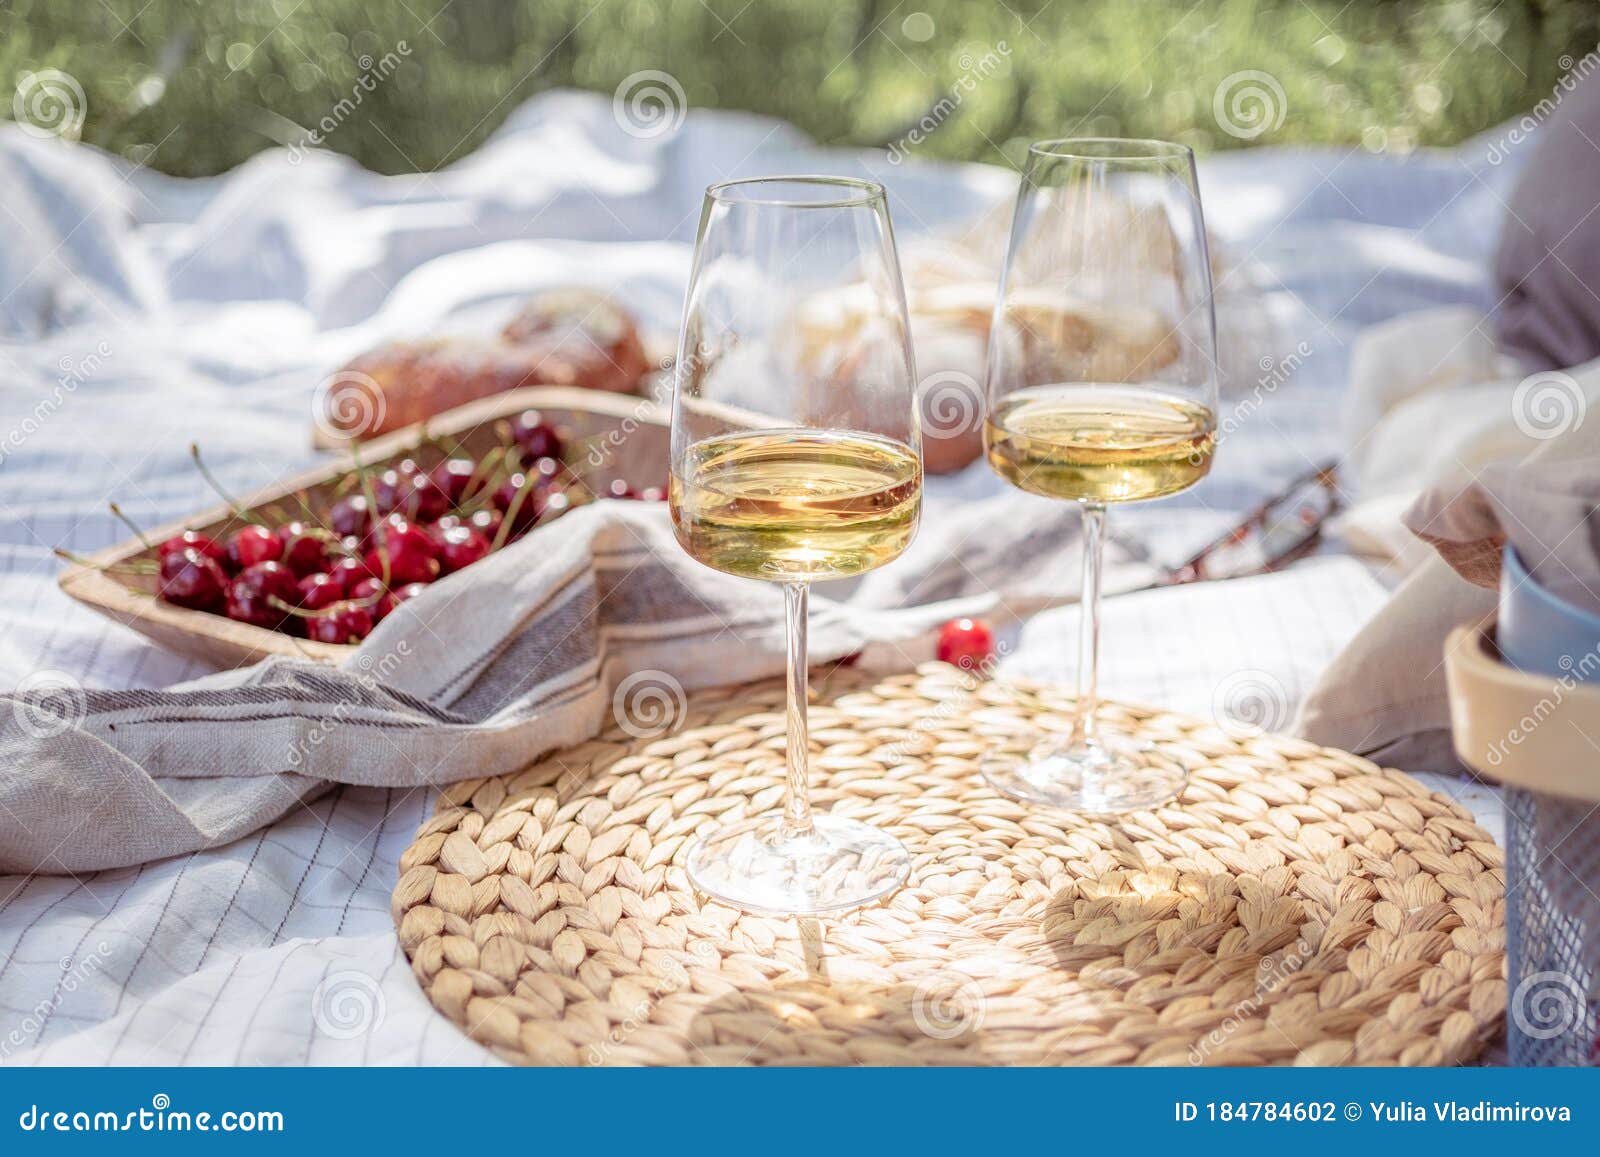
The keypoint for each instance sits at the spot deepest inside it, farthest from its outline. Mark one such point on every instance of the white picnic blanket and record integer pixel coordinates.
(138, 313)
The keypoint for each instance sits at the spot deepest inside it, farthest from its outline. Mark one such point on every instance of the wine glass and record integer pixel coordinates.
(796, 457)
(1102, 388)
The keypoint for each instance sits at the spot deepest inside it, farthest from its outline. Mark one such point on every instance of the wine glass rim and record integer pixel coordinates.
(853, 191)
(1110, 149)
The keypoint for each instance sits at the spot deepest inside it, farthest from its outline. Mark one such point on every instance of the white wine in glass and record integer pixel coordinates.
(1102, 388)
(794, 463)
(797, 505)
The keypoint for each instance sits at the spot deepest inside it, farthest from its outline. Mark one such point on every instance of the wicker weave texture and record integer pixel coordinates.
(1296, 905)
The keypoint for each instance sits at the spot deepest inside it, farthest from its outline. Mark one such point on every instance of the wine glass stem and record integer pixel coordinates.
(1094, 539)
(797, 801)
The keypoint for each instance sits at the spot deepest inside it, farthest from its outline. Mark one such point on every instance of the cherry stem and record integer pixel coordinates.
(211, 480)
(141, 566)
(278, 604)
(478, 482)
(512, 511)
(133, 526)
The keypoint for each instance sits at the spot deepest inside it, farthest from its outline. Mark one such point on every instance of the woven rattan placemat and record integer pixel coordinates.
(1298, 904)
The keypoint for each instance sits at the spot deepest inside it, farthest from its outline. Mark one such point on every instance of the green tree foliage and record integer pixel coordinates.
(196, 86)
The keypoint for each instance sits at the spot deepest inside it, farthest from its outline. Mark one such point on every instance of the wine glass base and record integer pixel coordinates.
(1106, 776)
(841, 864)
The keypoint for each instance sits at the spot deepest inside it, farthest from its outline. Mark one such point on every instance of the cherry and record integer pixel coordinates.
(194, 540)
(304, 551)
(453, 476)
(371, 594)
(408, 592)
(524, 510)
(347, 572)
(486, 522)
(350, 515)
(345, 623)
(253, 596)
(968, 643)
(401, 553)
(426, 500)
(389, 490)
(653, 494)
(535, 437)
(458, 546)
(620, 489)
(319, 591)
(193, 580)
(253, 545)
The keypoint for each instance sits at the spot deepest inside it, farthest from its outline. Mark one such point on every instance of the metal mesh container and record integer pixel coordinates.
(1538, 734)
(1552, 929)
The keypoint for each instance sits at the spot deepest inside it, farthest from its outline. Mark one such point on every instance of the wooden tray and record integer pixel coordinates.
(638, 454)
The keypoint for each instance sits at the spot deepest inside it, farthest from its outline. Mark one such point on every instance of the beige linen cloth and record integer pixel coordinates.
(535, 648)
(1456, 451)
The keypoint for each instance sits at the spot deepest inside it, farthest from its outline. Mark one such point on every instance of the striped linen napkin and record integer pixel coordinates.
(537, 647)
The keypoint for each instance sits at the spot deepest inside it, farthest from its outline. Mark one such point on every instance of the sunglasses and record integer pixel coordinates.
(1276, 533)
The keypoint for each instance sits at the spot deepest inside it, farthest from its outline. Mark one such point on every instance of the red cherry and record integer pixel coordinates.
(401, 553)
(968, 643)
(389, 490)
(620, 489)
(523, 512)
(253, 596)
(535, 437)
(486, 522)
(370, 593)
(347, 572)
(193, 580)
(345, 623)
(653, 494)
(452, 476)
(194, 540)
(253, 545)
(319, 591)
(350, 515)
(458, 546)
(304, 550)
(408, 592)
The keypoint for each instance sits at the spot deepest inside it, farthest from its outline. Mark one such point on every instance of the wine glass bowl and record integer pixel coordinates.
(796, 457)
(1101, 388)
